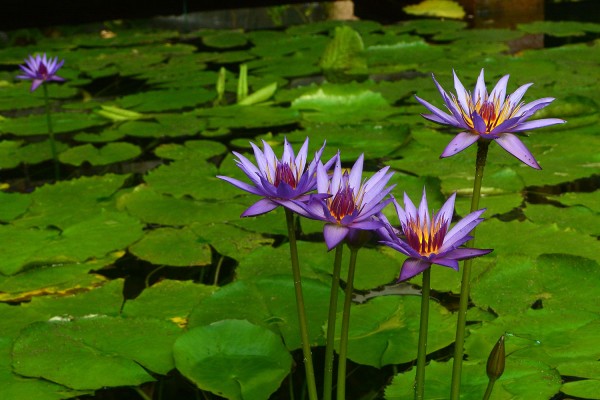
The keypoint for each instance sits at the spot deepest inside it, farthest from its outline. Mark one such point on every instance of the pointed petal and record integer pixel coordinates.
(536, 105)
(462, 228)
(288, 153)
(538, 123)
(459, 143)
(514, 146)
(463, 253)
(356, 174)
(409, 208)
(322, 179)
(448, 119)
(336, 179)
(334, 234)
(300, 159)
(456, 113)
(518, 94)
(447, 210)
(260, 207)
(242, 185)
(423, 211)
(478, 122)
(499, 91)
(369, 225)
(480, 92)
(400, 211)
(446, 262)
(461, 92)
(261, 161)
(412, 267)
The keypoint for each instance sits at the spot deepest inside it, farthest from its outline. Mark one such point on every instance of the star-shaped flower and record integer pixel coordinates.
(40, 69)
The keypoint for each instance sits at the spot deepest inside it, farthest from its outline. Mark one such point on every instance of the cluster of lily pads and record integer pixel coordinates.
(141, 132)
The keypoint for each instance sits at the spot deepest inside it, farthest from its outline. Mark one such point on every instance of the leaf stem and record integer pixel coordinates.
(459, 345)
(335, 286)
(488, 389)
(422, 347)
(341, 381)
(308, 364)
(51, 134)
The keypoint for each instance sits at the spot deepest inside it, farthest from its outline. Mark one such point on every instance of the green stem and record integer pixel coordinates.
(341, 382)
(335, 286)
(422, 349)
(51, 134)
(308, 364)
(218, 270)
(488, 389)
(142, 394)
(459, 345)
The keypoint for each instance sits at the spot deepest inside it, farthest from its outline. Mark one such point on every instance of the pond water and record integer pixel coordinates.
(111, 274)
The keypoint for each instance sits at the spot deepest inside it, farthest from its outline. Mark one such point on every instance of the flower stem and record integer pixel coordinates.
(308, 364)
(335, 286)
(51, 134)
(422, 349)
(459, 345)
(488, 389)
(341, 381)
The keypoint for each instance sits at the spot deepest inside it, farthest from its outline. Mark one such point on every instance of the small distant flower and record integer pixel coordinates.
(278, 181)
(40, 69)
(427, 239)
(346, 204)
(493, 116)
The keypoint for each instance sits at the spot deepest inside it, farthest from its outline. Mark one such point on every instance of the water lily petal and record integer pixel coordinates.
(448, 119)
(412, 267)
(461, 92)
(499, 91)
(538, 123)
(446, 262)
(334, 234)
(514, 146)
(464, 253)
(480, 92)
(241, 185)
(459, 143)
(260, 207)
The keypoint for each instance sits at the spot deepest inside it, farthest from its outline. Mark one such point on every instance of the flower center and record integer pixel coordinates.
(43, 71)
(283, 173)
(488, 112)
(426, 238)
(343, 203)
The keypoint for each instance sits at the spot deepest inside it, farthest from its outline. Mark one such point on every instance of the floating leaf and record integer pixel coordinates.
(173, 247)
(38, 125)
(13, 205)
(117, 114)
(232, 358)
(225, 39)
(167, 100)
(14, 153)
(559, 28)
(107, 154)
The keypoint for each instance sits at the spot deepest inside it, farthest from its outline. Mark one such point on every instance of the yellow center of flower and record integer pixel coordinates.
(344, 202)
(425, 237)
(493, 111)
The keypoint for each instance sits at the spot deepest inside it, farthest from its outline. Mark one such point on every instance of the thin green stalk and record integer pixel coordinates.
(308, 364)
(218, 270)
(459, 345)
(422, 349)
(488, 389)
(335, 286)
(341, 381)
(142, 394)
(51, 134)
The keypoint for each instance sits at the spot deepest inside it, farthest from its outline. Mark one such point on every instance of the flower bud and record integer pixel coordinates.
(495, 362)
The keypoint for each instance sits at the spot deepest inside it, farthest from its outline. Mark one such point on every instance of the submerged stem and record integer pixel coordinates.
(482, 150)
(308, 364)
(51, 134)
(341, 381)
(335, 285)
(422, 348)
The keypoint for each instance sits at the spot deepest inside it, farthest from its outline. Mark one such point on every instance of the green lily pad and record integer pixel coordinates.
(13, 205)
(17, 387)
(269, 302)
(532, 281)
(173, 247)
(166, 125)
(402, 56)
(590, 200)
(559, 28)
(13, 153)
(578, 218)
(580, 369)
(257, 116)
(32, 125)
(229, 240)
(166, 100)
(428, 26)
(225, 39)
(587, 389)
(522, 379)
(168, 300)
(200, 150)
(108, 154)
(70, 202)
(107, 135)
(92, 358)
(385, 330)
(233, 358)
(91, 238)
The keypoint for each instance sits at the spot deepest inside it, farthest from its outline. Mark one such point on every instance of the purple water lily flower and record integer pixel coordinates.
(427, 239)
(494, 116)
(345, 203)
(40, 69)
(278, 181)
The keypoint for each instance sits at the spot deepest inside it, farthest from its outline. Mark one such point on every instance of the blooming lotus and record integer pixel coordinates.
(494, 116)
(345, 203)
(278, 181)
(427, 240)
(40, 69)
